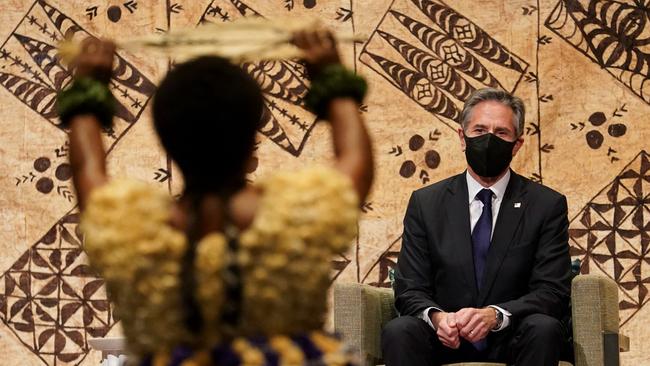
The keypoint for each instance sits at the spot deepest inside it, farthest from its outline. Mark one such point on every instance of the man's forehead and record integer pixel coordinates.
(492, 106)
(490, 111)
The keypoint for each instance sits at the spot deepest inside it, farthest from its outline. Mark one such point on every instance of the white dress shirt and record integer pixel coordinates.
(475, 210)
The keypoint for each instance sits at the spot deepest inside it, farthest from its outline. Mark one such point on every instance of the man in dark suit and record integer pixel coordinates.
(484, 270)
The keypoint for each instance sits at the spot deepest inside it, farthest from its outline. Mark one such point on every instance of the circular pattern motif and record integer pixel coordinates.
(114, 13)
(617, 130)
(597, 118)
(63, 172)
(408, 169)
(44, 185)
(42, 164)
(594, 139)
(416, 142)
(432, 159)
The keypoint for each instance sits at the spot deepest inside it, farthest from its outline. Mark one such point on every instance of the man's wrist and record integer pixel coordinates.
(498, 318)
(435, 316)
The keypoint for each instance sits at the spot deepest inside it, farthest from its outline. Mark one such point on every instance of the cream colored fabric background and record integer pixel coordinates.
(581, 68)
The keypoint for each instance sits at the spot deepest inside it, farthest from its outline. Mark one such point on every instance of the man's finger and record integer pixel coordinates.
(449, 331)
(445, 330)
(456, 344)
(471, 335)
(481, 331)
(474, 322)
(445, 338)
(463, 316)
(465, 331)
(468, 330)
(447, 344)
(451, 320)
(476, 334)
(449, 341)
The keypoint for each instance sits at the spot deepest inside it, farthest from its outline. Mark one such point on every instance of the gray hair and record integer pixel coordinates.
(502, 96)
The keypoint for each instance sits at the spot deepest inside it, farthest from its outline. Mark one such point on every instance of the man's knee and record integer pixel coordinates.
(543, 327)
(407, 340)
(404, 328)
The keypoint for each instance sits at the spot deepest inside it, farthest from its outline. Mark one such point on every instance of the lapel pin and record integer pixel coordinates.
(517, 204)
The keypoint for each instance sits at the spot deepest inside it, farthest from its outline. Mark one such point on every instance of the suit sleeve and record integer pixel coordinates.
(413, 288)
(550, 281)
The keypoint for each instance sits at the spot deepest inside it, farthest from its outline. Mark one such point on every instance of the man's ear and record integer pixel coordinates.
(518, 144)
(461, 136)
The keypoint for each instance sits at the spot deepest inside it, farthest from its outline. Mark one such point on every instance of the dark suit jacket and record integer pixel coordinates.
(528, 267)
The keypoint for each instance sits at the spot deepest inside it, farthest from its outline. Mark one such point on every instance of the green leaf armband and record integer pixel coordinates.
(86, 96)
(334, 81)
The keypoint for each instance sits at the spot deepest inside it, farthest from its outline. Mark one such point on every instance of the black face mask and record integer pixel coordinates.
(488, 155)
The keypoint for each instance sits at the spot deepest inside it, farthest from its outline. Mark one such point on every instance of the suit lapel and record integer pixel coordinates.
(458, 221)
(510, 213)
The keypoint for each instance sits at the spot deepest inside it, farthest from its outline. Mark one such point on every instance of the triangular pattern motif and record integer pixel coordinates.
(379, 274)
(610, 235)
(51, 299)
(283, 83)
(33, 74)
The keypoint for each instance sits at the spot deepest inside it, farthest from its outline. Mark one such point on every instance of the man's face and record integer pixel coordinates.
(493, 117)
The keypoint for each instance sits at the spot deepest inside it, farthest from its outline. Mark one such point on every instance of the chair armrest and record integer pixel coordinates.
(360, 312)
(594, 305)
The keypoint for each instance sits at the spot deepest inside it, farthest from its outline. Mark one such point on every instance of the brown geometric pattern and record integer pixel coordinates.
(338, 265)
(52, 301)
(387, 262)
(378, 274)
(285, 120)
(437, 57)
(32, 72)
(418, 154)
(611, 235)
(49, 298)
(611, 33)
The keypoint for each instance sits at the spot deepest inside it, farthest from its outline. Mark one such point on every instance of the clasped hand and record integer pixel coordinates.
(469, 323)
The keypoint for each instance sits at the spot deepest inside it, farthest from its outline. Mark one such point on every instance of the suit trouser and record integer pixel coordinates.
(536, 340)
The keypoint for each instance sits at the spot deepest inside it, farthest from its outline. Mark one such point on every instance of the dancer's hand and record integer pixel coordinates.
(319, 49)
(95, 59)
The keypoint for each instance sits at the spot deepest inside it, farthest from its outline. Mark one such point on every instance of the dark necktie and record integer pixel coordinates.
(481, 237)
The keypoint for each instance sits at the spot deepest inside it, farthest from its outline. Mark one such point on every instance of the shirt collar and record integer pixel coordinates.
(498, 188)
